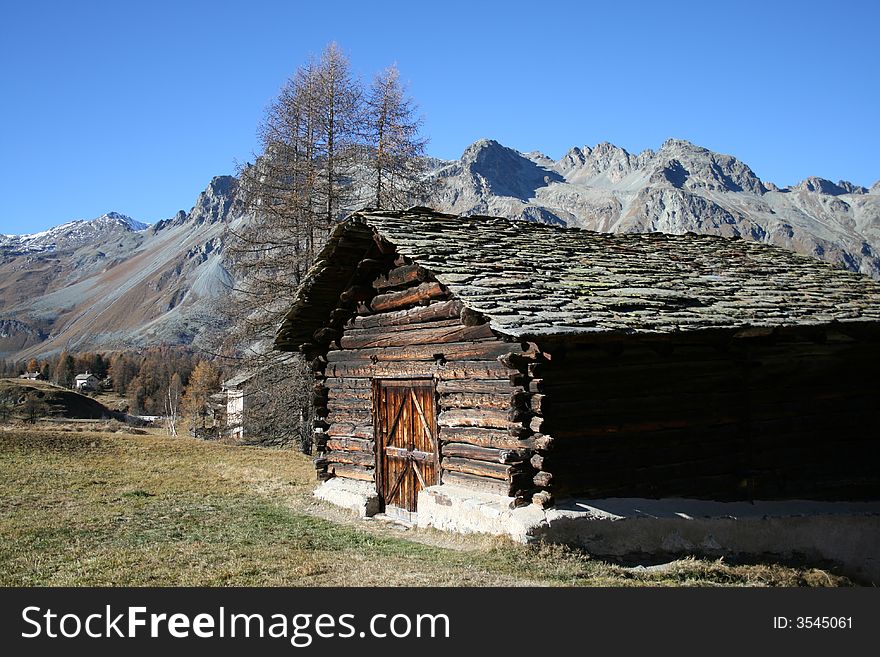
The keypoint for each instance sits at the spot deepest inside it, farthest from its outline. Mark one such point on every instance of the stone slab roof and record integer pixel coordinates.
(239, 379)
(533, 280)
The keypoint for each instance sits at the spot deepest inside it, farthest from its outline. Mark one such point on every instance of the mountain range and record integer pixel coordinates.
(115, 283)
(679, 188)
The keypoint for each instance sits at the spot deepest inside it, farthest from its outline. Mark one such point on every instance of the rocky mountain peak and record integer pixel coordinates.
(572, 161)
(823, 186)
(485, 150)
(605, 159)
(122, 220)
(686, 165)
(851, 188)
(673, 144)
(540, 159)
(501, 171)
(215, 203)
(178, 219)
(73, 233)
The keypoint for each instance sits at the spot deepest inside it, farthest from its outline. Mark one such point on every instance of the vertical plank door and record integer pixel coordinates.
(406, 429)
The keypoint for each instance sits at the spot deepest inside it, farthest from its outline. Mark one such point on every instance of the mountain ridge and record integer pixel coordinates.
(114, 283)
(78, 230)
(124, 289)
(680, 187)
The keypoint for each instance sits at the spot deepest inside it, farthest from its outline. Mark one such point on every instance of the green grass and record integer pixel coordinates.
(85, 508)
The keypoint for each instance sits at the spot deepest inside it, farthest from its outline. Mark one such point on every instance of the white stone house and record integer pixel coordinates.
(235, 403)
(87, 381)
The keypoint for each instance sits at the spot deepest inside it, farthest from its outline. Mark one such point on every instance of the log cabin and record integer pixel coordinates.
(530, 364)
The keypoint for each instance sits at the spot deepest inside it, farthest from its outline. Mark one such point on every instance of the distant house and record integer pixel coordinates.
(31, 376)
(87, 381)
(216, 409)
(234, 391)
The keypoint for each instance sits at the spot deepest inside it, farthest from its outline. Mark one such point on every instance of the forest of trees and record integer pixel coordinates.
(165, 381)
(60, 369)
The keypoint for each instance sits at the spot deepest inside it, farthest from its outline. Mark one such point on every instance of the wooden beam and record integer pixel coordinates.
(349, 383)
(415, 336)
(349, 395)
(476, 387)
(539, 404)
(471, 317)
(470, 350)
(435, 311)
(349, 444)
(340, 316)
(542, 479)
(358, 416)
(351, 471)
(350, 430)
(357, 293)
(420, 294)
(325, 335)
(401, 276)
(487, 438)
(464, 450)
(379, 331)
(480, 468)
(351, 457)
(452, 370)
(471, 400)
(472, 482)
(484, 418)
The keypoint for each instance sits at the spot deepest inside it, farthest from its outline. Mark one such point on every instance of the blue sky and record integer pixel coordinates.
(134, 107)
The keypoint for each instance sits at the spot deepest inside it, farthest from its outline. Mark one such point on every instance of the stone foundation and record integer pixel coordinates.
(845, 535)
(359, 496)
(842, 535)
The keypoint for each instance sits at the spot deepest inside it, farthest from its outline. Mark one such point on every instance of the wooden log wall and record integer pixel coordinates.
(395, 321)
(760, 418)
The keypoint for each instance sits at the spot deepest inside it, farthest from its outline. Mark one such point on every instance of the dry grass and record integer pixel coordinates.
(97, 508)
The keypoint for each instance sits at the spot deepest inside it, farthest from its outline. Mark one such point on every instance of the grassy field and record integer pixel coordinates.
(81, 507)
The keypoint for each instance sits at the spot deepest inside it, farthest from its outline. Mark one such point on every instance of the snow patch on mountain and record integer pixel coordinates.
(75, 232)
(116, 283)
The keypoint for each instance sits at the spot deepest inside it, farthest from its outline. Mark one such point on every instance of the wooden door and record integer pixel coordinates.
(404, 412)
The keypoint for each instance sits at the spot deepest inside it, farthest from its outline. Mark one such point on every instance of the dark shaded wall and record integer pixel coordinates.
(775, 417)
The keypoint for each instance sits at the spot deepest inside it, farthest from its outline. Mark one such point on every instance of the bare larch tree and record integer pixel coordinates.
(327, 146)
(396, 150)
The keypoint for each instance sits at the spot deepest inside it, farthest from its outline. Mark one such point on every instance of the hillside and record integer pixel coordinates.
(53, 401)
(122, 288)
